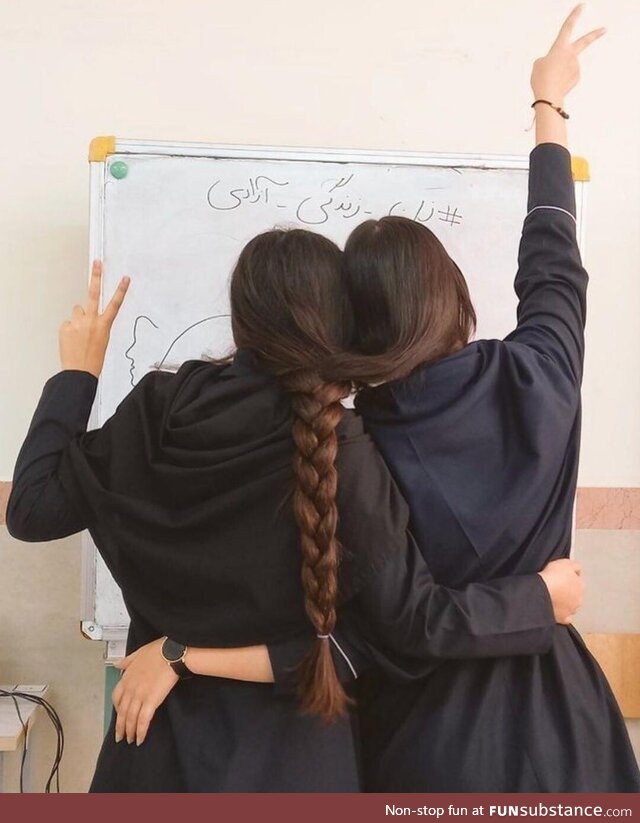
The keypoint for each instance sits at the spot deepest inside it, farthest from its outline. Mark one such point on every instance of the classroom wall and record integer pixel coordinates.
(414, 75)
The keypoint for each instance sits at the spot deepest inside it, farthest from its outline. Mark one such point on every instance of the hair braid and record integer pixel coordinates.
(289, 307)
(317, 409)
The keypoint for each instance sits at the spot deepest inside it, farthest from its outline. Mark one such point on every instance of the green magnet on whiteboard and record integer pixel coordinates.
(119, 170)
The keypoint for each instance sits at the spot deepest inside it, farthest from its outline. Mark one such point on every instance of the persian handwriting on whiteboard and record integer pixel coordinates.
(258, 189)
(314, 210)
(335, 198)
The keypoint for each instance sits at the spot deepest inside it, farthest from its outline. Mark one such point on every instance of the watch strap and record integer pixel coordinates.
(180, 668)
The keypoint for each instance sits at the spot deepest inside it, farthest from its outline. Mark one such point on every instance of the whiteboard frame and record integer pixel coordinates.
(116, 635)
(331, 155)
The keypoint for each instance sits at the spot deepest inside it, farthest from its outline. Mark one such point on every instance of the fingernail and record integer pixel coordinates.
(138, 742)
(118, 738)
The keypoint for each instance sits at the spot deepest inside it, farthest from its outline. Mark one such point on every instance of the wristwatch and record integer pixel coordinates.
(174, 653)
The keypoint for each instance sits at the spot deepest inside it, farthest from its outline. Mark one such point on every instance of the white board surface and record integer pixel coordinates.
(178, 219)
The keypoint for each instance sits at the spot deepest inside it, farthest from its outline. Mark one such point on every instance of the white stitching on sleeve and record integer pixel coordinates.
(342, 652)
(557, 208)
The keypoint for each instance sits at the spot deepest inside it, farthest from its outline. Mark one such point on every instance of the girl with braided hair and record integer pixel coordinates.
(237, 502)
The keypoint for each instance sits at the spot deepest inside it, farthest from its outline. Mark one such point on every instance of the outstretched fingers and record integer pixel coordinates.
(566, 29)
(116, 301)
(95, 283)
(587, 39)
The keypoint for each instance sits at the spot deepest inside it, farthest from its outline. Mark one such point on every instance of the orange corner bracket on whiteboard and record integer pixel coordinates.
(580, 169)
(100, 147)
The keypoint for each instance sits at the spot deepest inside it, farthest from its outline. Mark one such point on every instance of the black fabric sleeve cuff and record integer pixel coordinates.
(69, 395)
(535, 590)
(286, 656)
(550, 178)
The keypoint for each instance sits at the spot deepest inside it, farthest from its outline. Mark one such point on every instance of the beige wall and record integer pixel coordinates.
(413, 74)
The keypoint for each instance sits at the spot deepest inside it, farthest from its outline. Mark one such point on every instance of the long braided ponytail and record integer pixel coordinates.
(288, 306)
(318, 411)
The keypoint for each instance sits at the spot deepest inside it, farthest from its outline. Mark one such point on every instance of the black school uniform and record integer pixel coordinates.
(186, 491)
(484, 445)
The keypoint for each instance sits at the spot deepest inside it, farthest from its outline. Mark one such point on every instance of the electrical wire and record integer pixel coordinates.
(25, 735)
(57, 724)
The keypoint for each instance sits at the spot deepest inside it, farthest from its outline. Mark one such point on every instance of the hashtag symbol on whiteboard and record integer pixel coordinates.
(449, 215)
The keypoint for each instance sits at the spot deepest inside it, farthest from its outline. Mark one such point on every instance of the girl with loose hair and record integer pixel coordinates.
(483, 438)
(236, 502)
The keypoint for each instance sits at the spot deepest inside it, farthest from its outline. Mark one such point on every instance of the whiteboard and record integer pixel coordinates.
(175, 217)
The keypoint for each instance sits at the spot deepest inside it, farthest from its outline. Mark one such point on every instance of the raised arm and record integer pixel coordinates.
(551, 282)
(40, 507)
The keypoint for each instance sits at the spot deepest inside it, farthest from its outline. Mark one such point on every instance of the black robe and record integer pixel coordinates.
(484, 445)
(186, 493)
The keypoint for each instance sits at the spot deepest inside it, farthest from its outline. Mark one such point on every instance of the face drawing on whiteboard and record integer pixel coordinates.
(151, 347)
(337, 197)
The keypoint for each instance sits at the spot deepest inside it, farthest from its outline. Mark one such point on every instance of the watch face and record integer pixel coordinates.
(172, 651)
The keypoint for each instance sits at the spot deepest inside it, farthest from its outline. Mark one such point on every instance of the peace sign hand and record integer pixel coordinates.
(83, 340)
(555, 74)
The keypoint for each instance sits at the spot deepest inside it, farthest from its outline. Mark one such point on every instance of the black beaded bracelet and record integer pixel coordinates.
(560, 111)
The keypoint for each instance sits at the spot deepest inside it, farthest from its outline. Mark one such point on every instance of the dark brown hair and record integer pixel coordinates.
(288, 305)
(410, 301)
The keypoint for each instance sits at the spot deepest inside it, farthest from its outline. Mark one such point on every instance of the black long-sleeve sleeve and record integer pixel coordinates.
(551, 282)
(38, 507)
(405, 624)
